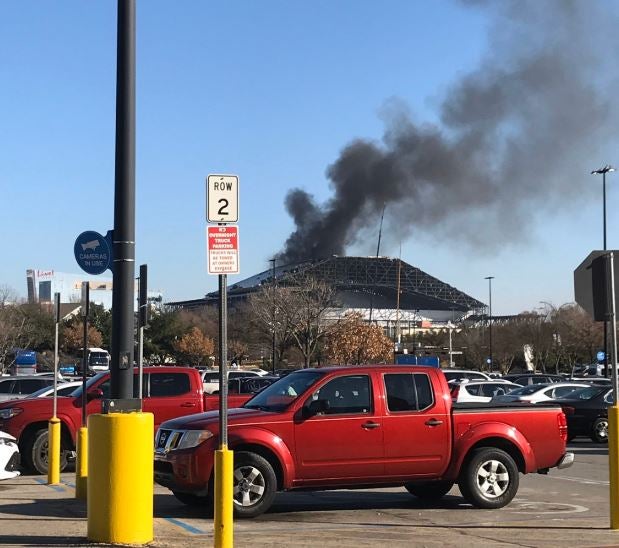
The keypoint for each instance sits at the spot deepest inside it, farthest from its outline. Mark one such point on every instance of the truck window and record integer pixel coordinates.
(168, 384)
(408, 391)
(349, 394)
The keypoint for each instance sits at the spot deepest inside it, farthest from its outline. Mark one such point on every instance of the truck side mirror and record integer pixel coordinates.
(315, 407)
(94, 394)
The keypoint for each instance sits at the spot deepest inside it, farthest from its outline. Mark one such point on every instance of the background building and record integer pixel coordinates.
(42, 284)
(368, 285)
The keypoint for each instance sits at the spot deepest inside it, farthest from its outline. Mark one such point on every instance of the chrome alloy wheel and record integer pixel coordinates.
(492, 478)
(249, 486)
(601, 429)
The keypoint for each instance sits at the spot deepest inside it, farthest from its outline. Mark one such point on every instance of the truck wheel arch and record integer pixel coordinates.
(274, 460)
(488, 435)
(500, 443)
(66, 438)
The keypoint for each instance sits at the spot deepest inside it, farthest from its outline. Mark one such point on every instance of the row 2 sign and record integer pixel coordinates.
(223, 249)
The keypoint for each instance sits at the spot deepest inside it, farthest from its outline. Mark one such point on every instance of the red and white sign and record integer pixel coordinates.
(223, 249)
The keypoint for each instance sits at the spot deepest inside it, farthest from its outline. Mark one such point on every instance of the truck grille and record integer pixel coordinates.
(167, 440)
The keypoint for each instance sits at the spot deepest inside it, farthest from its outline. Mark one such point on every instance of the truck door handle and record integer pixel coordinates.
(370, 425)
(188, 404)
(434, 422)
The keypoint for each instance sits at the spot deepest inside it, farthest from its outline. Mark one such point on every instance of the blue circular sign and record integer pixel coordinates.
(600, 356)
(92, 252)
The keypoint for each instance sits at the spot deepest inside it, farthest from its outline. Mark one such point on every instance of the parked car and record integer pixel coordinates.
(458, 375)
(210, 378)
(63, 389)
(9, 457)
(21, 386)
(532, 378)
(534, 393)
(481, 391)
(360, 426)
(586, 411)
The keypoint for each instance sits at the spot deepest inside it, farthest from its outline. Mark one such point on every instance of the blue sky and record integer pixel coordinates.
(271, 91)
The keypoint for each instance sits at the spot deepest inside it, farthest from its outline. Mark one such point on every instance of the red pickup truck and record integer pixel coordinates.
(168, 392)
(362, 426)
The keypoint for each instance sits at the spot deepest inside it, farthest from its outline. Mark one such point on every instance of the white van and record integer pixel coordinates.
(98, 359)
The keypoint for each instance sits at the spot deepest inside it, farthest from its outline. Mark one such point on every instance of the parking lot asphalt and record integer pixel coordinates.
(566, 508)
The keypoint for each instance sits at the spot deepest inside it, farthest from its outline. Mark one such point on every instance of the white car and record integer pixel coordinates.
(64, 389)
(534, 393)
(9, 456)
(210, 378)
(458, 375)
(481, 391)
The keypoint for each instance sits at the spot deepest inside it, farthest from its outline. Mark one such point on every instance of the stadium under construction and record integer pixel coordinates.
(369, 286)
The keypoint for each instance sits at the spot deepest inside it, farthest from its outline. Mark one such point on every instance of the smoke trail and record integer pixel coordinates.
(517, 138)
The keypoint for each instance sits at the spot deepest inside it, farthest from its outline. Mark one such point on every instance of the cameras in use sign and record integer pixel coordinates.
(223, 249)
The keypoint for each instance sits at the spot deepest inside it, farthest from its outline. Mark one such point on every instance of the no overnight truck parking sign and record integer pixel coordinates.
(223, 249)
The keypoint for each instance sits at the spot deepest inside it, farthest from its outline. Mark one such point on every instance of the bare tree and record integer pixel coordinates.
(308, 303)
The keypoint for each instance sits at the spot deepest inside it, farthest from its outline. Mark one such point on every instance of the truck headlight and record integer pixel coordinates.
(192, 438)
(10, 412)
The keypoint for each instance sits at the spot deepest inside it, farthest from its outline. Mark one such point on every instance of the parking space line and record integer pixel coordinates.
(186, 526)
(582, 480)
(54, 487)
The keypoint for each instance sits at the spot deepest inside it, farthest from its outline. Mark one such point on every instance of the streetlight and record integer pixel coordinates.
(603, 171)
(274, 309)
(490, 278)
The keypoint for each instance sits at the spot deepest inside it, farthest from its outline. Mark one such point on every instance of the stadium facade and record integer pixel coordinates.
(369, 286)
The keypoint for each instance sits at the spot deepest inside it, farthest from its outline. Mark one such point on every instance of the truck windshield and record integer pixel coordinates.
(282, 393)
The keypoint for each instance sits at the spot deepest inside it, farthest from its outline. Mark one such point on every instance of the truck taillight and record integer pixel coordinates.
(562, 421)
(454, 392)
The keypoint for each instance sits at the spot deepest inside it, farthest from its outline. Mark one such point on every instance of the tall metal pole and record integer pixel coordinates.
(380, 233)
(223, 361)
(273, 328)
(603, 171)
(490, 278)
(121, 368)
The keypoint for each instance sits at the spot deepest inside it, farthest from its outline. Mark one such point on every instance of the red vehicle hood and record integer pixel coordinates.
(209, 419)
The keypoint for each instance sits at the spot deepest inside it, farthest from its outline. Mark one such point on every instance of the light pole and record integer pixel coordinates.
(490, 278)
(603, 171)
(273, 341)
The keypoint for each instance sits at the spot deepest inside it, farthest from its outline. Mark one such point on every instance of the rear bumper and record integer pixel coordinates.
(566, 461)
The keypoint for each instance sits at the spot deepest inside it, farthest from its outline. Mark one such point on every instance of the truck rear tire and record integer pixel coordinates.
(255, 485)
(489, 478)
(35, 449)
(429, 490)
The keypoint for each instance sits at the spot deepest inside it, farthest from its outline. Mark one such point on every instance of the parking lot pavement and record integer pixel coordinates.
(566, 508)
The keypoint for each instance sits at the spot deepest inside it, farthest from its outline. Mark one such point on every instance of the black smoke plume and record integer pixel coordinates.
(516, 140)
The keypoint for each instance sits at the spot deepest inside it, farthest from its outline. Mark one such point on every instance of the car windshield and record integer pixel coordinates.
(283, 392)
(525, 390)
(585, 393)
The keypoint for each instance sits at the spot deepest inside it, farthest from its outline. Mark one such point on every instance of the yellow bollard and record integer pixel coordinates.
(613, 464)
(81, 464)
(224, 470)
(120, 478)
(53, 451)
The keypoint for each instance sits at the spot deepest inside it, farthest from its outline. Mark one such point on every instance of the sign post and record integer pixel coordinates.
(594, 288)
(222, 207)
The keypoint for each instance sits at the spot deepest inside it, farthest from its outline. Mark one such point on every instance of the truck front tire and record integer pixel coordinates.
(429, 490)
(35, 450)
(489, 479)
(255, 485)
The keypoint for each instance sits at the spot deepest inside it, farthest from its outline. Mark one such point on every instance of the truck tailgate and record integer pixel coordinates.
(538, 423)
